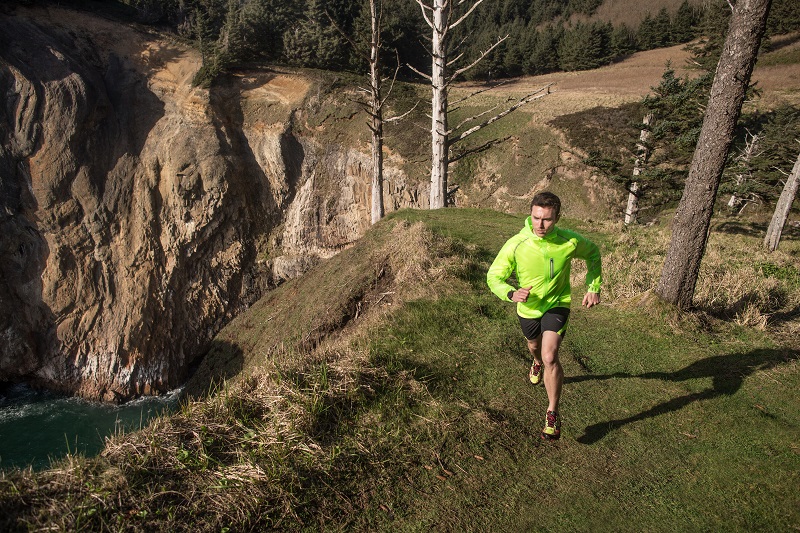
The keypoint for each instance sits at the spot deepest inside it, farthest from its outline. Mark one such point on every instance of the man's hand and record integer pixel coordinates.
(591, 298)
(521, 294)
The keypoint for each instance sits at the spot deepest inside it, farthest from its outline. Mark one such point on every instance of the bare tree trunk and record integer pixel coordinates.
(642, 155)
(377, 116)
(782, 208)
(439, 144)
(693, 217)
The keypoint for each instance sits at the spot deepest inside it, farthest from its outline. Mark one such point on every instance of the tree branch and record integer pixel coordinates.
(394, 77)
(459, 56)
(476, 93)
(404, 115)
(483, 55)
(540, 93)
(423, 7)
(470, 119)
(465, 15)
(426, 76)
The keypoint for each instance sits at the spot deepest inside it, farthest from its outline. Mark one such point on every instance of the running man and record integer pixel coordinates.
(540, 257)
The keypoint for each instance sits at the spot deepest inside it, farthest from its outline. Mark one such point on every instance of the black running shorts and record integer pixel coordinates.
(554, 319)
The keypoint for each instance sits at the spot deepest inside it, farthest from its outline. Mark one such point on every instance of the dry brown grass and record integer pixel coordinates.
(610, 86)
(732, 285)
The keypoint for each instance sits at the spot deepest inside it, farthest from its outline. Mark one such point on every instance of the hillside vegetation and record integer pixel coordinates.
(387, 390)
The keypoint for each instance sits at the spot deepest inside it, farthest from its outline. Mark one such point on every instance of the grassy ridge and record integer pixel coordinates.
(409, 409)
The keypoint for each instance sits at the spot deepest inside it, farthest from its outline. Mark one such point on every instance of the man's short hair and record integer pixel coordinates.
(546, 199)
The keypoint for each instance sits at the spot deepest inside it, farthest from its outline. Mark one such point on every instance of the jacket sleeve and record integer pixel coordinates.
(502, 267)
(588, 251)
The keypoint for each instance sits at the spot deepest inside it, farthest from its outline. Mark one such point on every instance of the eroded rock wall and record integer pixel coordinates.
(135, 210)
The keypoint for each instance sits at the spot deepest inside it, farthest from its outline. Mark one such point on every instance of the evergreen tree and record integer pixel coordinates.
(683, 26)
(314, 41)
(622, 41)
(678, 105)
(693, 215)
(784, 17)
(263, 23)
(540, 53)
(586, 7)
(778, 132)
(584, 46)
(712, 27)
(513, 58)
(655, 32)
(403, 31)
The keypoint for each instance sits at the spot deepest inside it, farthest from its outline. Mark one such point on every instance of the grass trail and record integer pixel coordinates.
(659, 429)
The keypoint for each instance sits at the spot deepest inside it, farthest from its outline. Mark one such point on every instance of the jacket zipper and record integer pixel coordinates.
(552, 269)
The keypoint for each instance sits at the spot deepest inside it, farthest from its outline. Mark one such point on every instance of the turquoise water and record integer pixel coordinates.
(37, 427)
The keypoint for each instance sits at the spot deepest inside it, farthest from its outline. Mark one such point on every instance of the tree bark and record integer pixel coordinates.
(782, 208)
(439, 127)
(693, 216)
(377, 115)
(642, 155)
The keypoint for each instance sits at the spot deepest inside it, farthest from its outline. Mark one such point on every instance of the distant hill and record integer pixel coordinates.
(632, 12)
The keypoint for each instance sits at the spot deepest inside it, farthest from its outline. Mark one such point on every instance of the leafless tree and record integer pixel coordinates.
(782, 208)
(744, 171)
(642, 155)
(375, 102)
(442, 16)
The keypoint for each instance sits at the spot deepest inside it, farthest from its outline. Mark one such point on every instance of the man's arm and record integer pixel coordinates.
(589, 252)
(502, 267)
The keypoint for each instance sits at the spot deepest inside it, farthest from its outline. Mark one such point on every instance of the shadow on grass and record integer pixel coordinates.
(727, 372)
(754, 229)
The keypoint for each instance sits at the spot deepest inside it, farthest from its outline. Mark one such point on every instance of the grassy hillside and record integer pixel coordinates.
(386, 390)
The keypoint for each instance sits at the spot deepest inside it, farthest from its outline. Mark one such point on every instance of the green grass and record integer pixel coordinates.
(413, 411)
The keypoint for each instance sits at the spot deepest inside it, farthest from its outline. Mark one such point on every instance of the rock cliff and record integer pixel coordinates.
(138, 213)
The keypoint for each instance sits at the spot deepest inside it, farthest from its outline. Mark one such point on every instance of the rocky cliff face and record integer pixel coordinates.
(138, 214)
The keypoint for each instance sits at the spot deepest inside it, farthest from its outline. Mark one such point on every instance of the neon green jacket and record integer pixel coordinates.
(543, 263)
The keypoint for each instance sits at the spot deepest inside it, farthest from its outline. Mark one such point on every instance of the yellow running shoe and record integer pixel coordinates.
(552, 426)
(535, 375)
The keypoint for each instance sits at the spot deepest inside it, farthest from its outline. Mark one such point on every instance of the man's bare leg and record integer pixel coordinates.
(534, 347)
(553, 372)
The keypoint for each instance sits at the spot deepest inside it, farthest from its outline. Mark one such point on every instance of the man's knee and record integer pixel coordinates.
(550, 345)
(550, 357)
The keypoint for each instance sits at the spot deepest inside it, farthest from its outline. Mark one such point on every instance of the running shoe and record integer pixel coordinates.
(552, 426)
(535, 375)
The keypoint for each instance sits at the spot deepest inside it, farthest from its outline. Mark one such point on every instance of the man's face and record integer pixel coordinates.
(543, 219)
